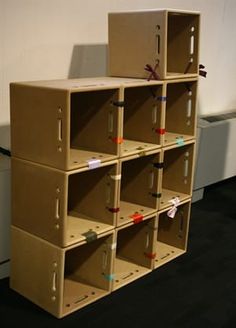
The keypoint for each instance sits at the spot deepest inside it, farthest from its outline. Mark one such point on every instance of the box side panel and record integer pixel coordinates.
(38, 125)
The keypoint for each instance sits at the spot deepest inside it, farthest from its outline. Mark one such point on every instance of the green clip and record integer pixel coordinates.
(109, 277)
(156, 195)
(90, 235)
(180, 141)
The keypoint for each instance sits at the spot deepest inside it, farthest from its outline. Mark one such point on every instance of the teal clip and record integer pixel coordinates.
(180, 141)
(109, 277)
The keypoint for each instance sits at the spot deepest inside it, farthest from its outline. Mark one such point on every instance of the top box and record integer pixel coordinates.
(166, 40)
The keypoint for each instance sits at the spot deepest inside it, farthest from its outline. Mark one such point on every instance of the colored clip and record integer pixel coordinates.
(151, 256)
(114, 210)
(93, 163)
(90, 235)
(180, 141)
(156, 194)
(109, 277)
(160, 98)
(112, 246)
(158, 165)
(117, 140)
(137, 217)
(175, 202)
(152, 71)
(201, 71)
(160, 131)
(115, 177)
(118, 103)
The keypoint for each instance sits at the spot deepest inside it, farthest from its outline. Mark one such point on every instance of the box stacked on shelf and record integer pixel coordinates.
(102, 168)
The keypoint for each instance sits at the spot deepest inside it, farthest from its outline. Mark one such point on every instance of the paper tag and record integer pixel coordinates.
(171, 213)
(94, 163)
(115, 177)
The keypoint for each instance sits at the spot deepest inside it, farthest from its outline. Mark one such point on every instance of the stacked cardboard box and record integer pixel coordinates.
(102, 168)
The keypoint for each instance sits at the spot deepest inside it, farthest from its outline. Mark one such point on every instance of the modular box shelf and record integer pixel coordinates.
(64, 207)
(140, 186)
(134, 251)
(180, 113)
(167, 40)
(61, 280)
(65, 123)
(172, 234)
(177, 178)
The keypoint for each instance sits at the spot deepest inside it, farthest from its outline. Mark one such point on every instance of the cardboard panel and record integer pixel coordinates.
(172, 234)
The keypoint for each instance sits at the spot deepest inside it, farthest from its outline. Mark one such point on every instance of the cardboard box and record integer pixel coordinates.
(165, 39)
(172, 234)
(178, 169)
(60, 280)
(135, 251)
(140, 186)
(64, 207)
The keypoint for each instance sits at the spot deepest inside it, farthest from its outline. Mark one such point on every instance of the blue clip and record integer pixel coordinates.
(180, 141)
(160, 98)
(109, 277)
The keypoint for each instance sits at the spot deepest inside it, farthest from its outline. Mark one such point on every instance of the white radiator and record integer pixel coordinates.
(216, 151)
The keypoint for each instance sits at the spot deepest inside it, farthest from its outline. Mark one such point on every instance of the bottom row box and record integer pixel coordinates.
(62, 280)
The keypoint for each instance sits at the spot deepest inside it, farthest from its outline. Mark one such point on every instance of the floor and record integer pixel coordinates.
(197, 289)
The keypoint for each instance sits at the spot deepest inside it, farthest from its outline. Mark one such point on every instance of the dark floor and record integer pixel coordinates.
(195, 290)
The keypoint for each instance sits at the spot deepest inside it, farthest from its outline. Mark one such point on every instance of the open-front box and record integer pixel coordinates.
(172, 234)
(134, 251)
(140, 184)
(61, 280)
(64, 207)
(177, 179)
(180, 114)
(143, 117)
(167, 40)
(66, 123)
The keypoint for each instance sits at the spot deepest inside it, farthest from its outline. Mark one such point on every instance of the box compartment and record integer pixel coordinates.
(140, 184)
(180, 117)
(178, 171)
(64, 208)
(134, 253)
(172, 235)
(143, 118)
(69, 278)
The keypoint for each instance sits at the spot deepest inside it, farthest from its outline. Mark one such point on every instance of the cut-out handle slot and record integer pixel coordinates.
(186, 165)
(147, 240)
(151, 180)
(110, 122)
(108, 193)
(191, 45)
(59, 129)
(165, 256)
(189, 107)
(104, 260)
(54, 282)
(57, 214)
(154, 114)
(82, 298)
(181, 225)
(158, 44)
(127, 276)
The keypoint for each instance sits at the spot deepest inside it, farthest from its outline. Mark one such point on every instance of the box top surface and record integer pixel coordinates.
(88, 84)
(164, 10)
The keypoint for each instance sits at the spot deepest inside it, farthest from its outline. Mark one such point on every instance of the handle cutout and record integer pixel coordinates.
(82, 298)
(151, 180)
(104, 260)
(54, 282)
(154, 114)
(186, 165)
(110, 122)
(57, 214)
(191, 45)
(59, 129)
(147, 240)
(108, 193)
(189, 107)
(127, 276)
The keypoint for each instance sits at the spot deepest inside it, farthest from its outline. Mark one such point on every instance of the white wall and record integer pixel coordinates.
(42, 39)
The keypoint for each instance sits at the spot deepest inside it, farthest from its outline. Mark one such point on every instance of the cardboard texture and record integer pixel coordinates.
(56, 205)
(167, 40)
(61, 280)
(178, 170)
(172, 234)
(134, 253)
(140, 186)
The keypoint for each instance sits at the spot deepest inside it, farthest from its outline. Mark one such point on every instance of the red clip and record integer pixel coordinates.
(137, 217)
(160, 131)
(114, 210)
(150, 255)
(117, 140)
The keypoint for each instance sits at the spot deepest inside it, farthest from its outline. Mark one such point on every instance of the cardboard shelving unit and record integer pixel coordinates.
(172, 234)
(61, 280)
(177, 179)
(134, 251)
(165, 39)
(56, 205)
(140, 186)
(180, 113)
